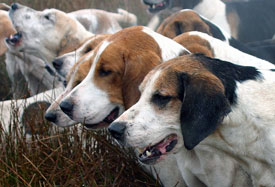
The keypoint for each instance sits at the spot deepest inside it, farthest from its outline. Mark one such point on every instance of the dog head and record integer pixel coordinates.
(188, 20)
(181, 103)
(64, 63)
(118, 67)
(45, 34)
(77, 73)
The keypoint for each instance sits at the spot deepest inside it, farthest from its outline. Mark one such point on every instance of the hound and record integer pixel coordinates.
(118, 66)
(192, 104)
(245, 21)
(188, 20)
(77, 73)
(102, 22)
(67, 32)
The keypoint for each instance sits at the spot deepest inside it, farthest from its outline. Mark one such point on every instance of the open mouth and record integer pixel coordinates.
(152, 154)
(155, 7)
(14, 40)
(109, 119)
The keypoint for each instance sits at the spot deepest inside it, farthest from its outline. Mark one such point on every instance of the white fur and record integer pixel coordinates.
(9, 107)
(214, 10)
(61, 118)
(32, 70)
(69, 59)
(146, 127)
(226, 52)
(100, 21)
(37, 30)
(248, 132)
(250, 129)
(91, 104)
(169, 48)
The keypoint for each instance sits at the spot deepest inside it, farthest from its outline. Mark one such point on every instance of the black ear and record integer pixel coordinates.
(203, 108)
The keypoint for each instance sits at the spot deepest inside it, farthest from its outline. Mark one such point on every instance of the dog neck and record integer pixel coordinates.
(247, 132)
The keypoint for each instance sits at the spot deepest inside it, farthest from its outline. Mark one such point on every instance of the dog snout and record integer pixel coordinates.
(67, 107)
(117, 130)
(57, 64)
(51, 116)
(14, 6)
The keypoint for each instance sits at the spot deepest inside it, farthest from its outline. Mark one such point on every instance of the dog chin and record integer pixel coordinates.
(112, 116)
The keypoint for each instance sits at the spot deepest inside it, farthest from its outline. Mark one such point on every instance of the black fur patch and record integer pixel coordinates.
(229, 74)
(201, 111)
(178, 28)
(256, 19)
(160, 100)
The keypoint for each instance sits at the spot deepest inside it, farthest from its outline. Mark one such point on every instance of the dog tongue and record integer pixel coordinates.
(111, 117)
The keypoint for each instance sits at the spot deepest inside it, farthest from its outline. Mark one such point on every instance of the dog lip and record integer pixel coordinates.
(15, 39)
(155, 7)
(152, 154)
(109, 119)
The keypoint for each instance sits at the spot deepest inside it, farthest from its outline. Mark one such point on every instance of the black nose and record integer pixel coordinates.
(14, 6)
(51, 116)
(117, 130)
(67, 107)
(57, 64)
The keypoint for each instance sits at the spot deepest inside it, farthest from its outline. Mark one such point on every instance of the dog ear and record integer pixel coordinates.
(136, 68)
(203, 107)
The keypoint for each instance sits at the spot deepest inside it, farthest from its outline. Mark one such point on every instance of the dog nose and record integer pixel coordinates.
(51, 116)
(117, 130)
(67, 107)
(14, 6)
(57, 64)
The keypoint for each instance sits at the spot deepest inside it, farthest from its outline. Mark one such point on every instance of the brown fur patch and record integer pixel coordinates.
(195, 44)
(71, 38)
(167, 83)
(82, 68)
(191, 65)
(181, 22)
(6, 29)
(129, 57)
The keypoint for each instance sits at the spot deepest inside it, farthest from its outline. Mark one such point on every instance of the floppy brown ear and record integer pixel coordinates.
(136, 68)
(204, 105)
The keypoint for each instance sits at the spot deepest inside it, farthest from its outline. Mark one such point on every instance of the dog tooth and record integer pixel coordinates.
(148, 153)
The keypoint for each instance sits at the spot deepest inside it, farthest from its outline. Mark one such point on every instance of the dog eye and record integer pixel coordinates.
(88, 50)
(47, 17)
(103, 72)
(65, 83)
(161, 100)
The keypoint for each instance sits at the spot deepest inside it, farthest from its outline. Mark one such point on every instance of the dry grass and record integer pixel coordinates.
(68, 157)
